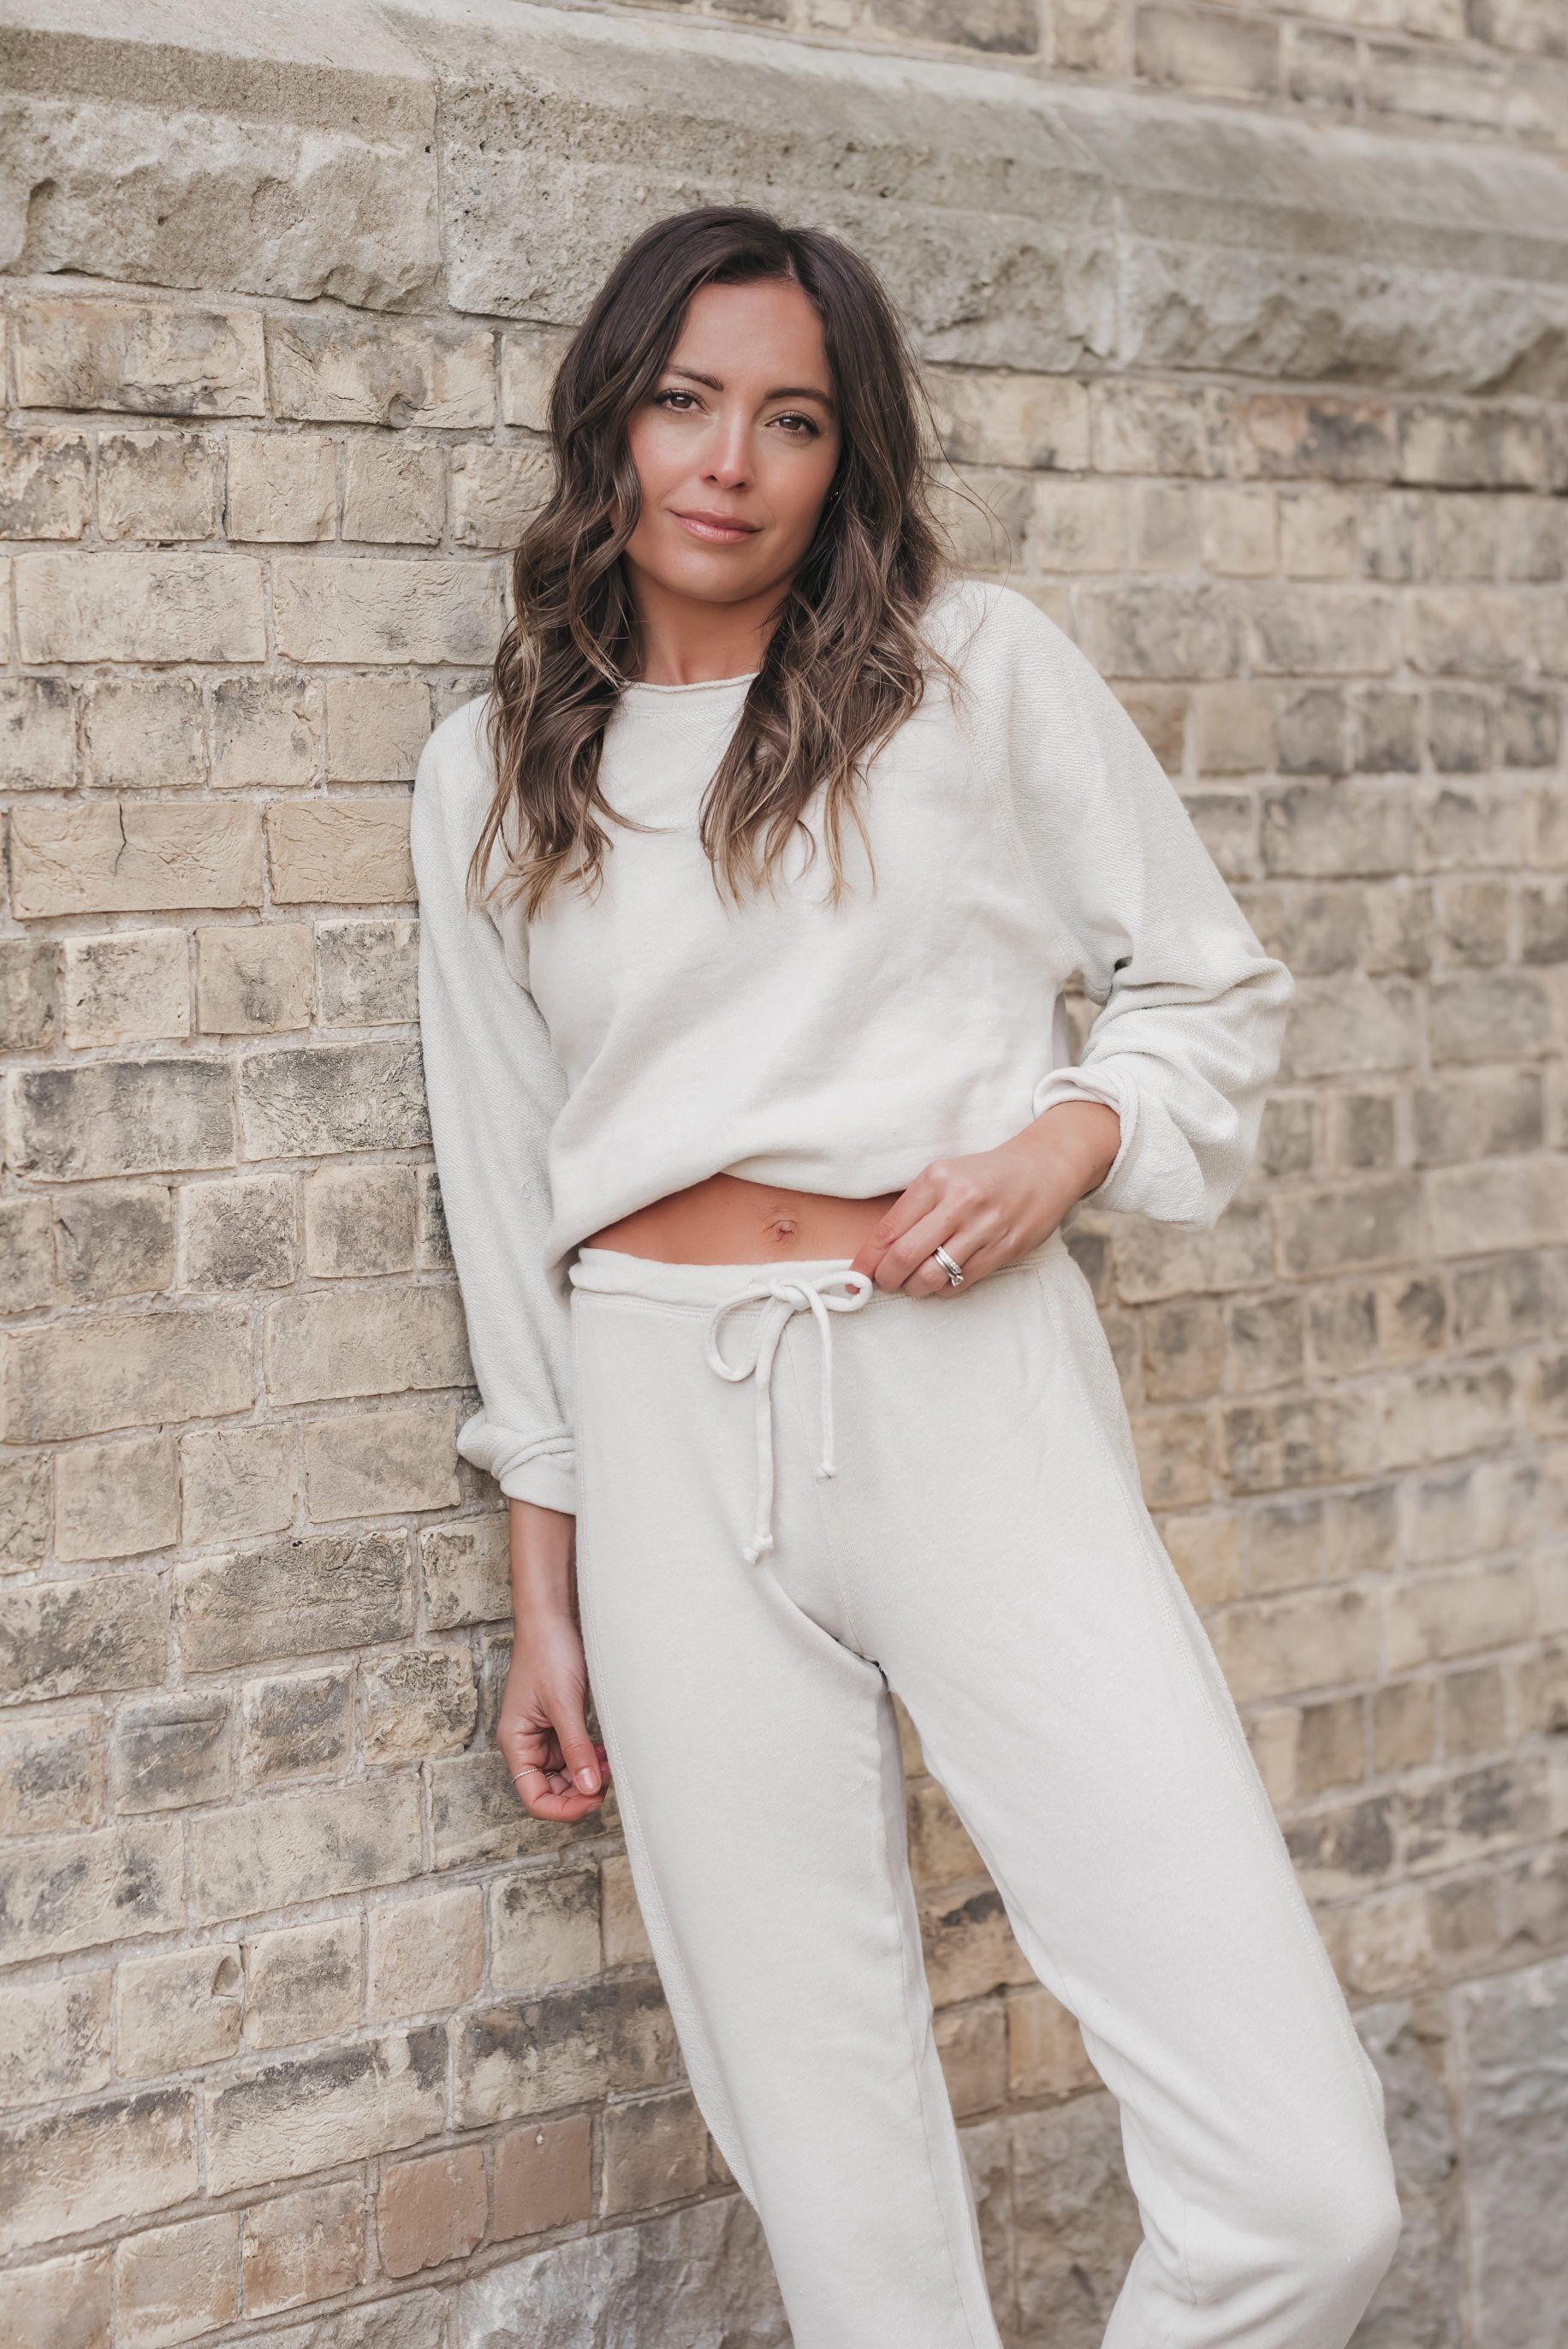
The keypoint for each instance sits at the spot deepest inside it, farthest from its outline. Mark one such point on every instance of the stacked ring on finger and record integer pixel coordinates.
(954, 1271)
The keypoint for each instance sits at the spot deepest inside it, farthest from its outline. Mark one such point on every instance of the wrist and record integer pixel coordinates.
(1083, 1138)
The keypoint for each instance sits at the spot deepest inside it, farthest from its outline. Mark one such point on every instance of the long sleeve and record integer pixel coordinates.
(1192, 1011)
(493, 1089)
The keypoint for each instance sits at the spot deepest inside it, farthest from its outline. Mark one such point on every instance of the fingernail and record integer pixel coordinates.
(587, 1780)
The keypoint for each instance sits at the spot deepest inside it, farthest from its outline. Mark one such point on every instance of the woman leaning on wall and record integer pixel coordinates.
(749, 898)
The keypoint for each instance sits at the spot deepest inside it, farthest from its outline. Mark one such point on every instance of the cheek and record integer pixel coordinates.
(656, 452)
(795, 486)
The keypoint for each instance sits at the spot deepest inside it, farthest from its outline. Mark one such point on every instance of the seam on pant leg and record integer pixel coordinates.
(887, 1829)
(907, 1959)
(1255, 1792)
(705, 2073)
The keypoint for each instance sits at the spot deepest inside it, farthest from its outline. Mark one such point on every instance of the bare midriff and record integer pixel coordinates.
(726, 1219)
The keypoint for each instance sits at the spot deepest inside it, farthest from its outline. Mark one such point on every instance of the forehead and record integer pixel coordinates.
(742, 334)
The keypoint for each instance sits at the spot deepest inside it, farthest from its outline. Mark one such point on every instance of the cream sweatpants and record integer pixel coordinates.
(799, 1492)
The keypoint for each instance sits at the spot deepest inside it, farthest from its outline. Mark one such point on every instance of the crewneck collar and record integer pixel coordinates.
(702, 685)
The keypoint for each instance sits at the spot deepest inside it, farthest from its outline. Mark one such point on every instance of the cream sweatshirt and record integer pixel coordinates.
(620, 1047)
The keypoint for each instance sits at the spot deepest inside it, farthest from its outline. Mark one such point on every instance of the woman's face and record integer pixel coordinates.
(740, 429)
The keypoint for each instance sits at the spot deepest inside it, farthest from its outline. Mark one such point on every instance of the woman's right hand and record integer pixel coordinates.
(557, 1768)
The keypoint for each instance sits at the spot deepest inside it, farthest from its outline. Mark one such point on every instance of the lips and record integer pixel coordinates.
(719, 529)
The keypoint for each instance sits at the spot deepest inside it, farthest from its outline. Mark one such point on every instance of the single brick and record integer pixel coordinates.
(375, 727)
(344, 852)
(126, 987)
(169, 1751)
(55, 2039)
(140, 607)
(395, 492)
(526, 2055)
(379, 1463)
(137, 1370)
(236, 1482)
(296, 1597)
(360, 1220)
(359, 371)
(303, 2247)
(82, 1891)
(543, 2176)
(254, 980)
(117, 1500)
(143, 733)
(44, 485)
(160, 485)
(51, 1774)
(67, 2301)
(331, 1345)
(654, 2148)
(369, 972)
(293, 1726)
(312, 1845)
(464, 1571)
(128, 1117)
(426, 1954)
(37, 734)
(88, 856)
(65, 1639)
(114, 1239)
(172, 2282)
(431, 2210)
(303, 1983)
(282, 487)
(314, 2112)
(374, 608)
(151, 358)
(266, 731)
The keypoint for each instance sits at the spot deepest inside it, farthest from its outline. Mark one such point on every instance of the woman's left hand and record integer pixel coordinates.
(992, 1208)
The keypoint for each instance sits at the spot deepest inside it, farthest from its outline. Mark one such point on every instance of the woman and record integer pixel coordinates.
(755, 1128)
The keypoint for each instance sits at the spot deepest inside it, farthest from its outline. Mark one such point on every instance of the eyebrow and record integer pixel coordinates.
(779, 390)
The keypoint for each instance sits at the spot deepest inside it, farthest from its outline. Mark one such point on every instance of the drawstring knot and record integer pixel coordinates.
(826, 1294)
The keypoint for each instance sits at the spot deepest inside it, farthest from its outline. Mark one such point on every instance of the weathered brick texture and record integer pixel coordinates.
(1254, 358)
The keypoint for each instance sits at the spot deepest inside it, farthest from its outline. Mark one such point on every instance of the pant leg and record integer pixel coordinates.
(755, 1758)
(998, 1561)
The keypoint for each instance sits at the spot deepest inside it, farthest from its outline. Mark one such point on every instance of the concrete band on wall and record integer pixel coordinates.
(278, 149)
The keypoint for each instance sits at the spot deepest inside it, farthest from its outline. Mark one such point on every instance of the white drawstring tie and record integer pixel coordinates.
(786, 1296)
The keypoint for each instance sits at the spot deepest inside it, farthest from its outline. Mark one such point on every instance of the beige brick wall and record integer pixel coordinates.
(307, 2032)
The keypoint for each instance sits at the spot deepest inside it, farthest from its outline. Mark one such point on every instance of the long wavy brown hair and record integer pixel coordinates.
(845, 663)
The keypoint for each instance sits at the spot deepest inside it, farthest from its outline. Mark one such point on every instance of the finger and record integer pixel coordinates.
(914, 1201)
(536, 1767)
(579, 1755)
(975, 1257)
(550, 1794)
(955, 1223)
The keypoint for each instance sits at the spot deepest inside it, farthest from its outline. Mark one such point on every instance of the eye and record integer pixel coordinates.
(675, 391)
(812, 429)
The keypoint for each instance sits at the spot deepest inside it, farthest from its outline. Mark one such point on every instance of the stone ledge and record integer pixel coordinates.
(282, 149)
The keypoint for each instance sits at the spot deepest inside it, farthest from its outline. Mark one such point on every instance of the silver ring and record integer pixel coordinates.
(954, 1271)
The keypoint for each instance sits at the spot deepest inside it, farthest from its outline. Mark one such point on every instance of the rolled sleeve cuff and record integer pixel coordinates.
(541, 1469)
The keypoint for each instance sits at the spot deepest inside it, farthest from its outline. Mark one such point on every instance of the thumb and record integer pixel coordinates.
(577, 1752)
